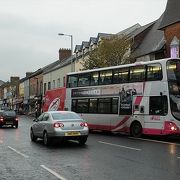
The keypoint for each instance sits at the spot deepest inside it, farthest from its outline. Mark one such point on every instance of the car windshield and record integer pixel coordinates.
(63, 116)
(9, 113)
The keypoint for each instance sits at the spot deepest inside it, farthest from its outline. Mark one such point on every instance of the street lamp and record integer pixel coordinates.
(71, 36)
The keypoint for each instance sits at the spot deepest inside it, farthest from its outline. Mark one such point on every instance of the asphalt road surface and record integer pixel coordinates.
(104, 157)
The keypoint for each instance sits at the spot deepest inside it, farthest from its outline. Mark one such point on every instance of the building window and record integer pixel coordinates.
(64, 81)
(58, 82)
(41, 87)
(49, 85)
(54, 85)
(45, 87)
(174, 47)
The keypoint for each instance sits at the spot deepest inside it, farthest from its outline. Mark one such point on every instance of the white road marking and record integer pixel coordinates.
(156, 141)
(117, 145)
(53, 172)
(18, 152)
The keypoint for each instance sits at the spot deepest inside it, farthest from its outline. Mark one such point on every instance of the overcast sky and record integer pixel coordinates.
(29, 28)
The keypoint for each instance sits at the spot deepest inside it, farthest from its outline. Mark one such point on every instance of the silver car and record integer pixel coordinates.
(63, 125)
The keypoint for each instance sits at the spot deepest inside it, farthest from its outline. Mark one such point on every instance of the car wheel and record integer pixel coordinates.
(33, 138)
(16, 126)
(136, 130)
(46, 139)
(82, 140)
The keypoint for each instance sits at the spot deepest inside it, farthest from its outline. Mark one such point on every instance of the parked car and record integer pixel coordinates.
(8, 118)
(63, 125)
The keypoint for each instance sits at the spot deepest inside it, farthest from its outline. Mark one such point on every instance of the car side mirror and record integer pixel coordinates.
(34, 120)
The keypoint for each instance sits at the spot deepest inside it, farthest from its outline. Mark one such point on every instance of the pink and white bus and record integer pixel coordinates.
(139, 98)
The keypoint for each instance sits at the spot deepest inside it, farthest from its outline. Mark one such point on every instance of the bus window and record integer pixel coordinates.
(93, 106)
(158, 105)
(114, 105)
(72, 81)
(154, 72)
(173, 70)
(105, 77)
(84, 79)
(120, 75)
(137, 73)
(94, 78)
(82, 106)
(104, 105)
(74, 105)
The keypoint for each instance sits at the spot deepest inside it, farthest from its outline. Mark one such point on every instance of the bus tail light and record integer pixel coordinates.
(171, 126)
(84, 124)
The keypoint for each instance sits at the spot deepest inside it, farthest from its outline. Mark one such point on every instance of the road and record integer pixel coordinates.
(104, 157)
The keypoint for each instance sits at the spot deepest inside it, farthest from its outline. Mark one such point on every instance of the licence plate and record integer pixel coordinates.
(72, 134)
(9, 123)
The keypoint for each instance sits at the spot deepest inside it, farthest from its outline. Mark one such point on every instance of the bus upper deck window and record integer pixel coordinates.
(154, 72)
(72, 81)
(137, 73)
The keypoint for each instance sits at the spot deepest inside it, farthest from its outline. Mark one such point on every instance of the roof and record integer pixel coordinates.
(140, 29)
(171, 14)
(1, 82)
(102, 35)
(153, 41)
(61, 64)
(85, 44)
(77, 48)
(45, 68)
(129, 30)
(93, 40)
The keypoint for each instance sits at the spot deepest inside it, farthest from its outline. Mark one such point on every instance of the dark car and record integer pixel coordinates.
(8, 118)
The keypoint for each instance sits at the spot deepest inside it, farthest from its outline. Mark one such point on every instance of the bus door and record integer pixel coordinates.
(150, 111)
(158, 109)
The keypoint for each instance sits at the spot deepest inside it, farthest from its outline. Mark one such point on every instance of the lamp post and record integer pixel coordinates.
(71, 36)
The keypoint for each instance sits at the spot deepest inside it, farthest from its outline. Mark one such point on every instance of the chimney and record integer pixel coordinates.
(64, 54)
(14, 79)
(28, 74)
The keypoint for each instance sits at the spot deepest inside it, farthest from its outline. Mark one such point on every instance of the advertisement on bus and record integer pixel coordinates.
(54, 100)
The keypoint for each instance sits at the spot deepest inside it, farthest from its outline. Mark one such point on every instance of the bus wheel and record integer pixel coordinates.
(136, 130)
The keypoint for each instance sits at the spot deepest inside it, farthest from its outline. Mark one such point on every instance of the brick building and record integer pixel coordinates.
(170, 24)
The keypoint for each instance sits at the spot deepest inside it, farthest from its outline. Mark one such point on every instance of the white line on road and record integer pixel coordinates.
(18, 152)
(117, 145)
(156, 141)
(53, 172)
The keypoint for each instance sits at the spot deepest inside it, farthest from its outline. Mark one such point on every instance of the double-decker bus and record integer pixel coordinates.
(139, 98)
